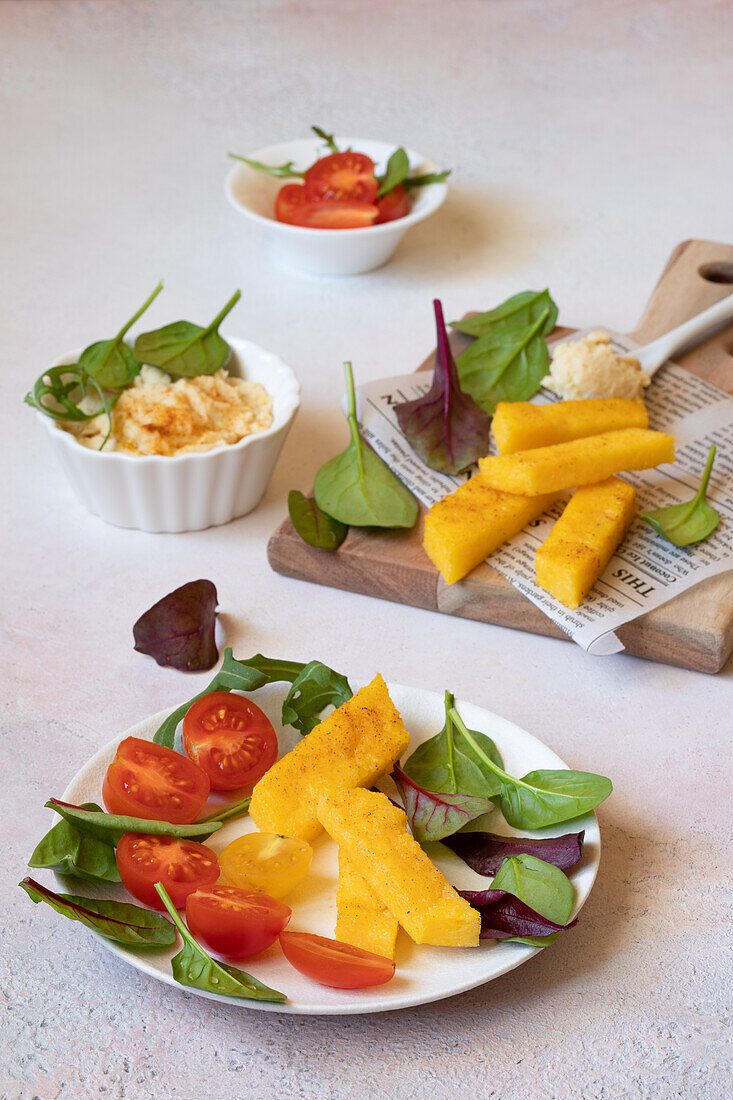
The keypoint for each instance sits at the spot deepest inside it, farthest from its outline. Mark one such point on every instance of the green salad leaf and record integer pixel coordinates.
(507, 363)
(112, 363)
(357, 487)
(541, 798)
(694, 521)
(397, 168)
(59, 390)
(541, 886)
(110, 827)
(314, 526)
(250, 675)
(279, 171)
(520, 311)
(193, 967)
(427, 178)
(116, 920)
(186, 350)
(328, 139)
(451, 766)
(70, 851)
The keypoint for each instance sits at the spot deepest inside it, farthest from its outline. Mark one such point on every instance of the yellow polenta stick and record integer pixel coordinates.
(356, 744)
(579, 462)
(521, 426)
(361, 918)
(463, 528)
(580, 545)
(373, 834)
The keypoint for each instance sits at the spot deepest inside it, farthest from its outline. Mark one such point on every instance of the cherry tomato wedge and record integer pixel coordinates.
(336, 964)
(233, 923)
(342, 176)
(230, 738)
(393, 205)
(148, 780)
(267, 863)
(181, 865)
(292, 207)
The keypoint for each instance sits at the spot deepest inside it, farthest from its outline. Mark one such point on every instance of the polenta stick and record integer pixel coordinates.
(579, 462)
(373, 833)
(361, 918)
(580, 545)
(463, 528)
(355, 745)
(521, 426)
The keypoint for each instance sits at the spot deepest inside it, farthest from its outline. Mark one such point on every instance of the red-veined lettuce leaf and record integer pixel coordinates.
(504, 916)
(178, 631)
(433, 815)
(446, 428)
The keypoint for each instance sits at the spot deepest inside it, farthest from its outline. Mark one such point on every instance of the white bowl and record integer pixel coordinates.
(327, 251)
(184, 492)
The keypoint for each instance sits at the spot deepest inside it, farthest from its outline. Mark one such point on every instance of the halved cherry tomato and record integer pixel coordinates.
(181, 865)
(393, 205)
(230, 738)
(336, 964)
(233, 923)
(292, 207)
(266, 862)
(342, 176)
(148, 780)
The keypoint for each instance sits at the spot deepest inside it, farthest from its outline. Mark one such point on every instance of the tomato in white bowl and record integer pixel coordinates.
(335, 249)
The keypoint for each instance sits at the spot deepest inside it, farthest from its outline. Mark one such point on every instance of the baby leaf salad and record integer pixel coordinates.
(107, 367)
(150, 838)
(342, 189)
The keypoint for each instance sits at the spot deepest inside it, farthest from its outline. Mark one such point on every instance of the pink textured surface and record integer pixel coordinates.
(584, 139)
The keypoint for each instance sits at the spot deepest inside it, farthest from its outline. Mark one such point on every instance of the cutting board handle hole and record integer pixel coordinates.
(716, 272)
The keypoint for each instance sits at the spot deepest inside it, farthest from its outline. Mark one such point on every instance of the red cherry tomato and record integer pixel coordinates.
(235, 924)
(150, 781)
(393, 205)
(292, 207)
(336, 964)
(342, 176)
(181, 865)
(230, 738)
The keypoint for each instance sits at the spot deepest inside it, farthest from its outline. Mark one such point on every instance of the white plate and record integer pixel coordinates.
(423, 974)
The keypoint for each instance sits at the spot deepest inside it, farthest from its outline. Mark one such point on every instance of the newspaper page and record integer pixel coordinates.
(646, 571)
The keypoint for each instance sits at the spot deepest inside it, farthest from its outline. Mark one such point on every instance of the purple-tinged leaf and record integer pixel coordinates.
(178, 631)
(504, 916)
(446, 428)
(485, 852)
(432, 815)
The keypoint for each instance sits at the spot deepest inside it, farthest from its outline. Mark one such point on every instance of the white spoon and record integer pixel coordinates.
(653, 355)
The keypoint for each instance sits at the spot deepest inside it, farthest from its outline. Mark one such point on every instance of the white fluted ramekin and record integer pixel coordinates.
(184, 492)
(327, 251)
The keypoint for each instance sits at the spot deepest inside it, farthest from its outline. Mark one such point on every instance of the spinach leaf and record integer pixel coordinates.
(433, 815)
(485, 852)
(545, 895)
(228, 813)
(541, 798)
(113, 363)
(186, 350)
(357, 487)
(522, 310)
(445, 427)
(313, 525)
(110, 827)
(117, 920)
(280, 171)
(686, 524)
(69, 851)
(327, 138)
(398, 166)
(193, 967)
(250, 675)
(422, 181)
(508, 363)
(315, 688)
(441, 764)
(178, 631)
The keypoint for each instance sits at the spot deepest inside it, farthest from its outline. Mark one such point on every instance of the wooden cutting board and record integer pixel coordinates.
(695, 630)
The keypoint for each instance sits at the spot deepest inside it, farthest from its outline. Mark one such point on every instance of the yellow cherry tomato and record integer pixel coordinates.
(266, 863)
